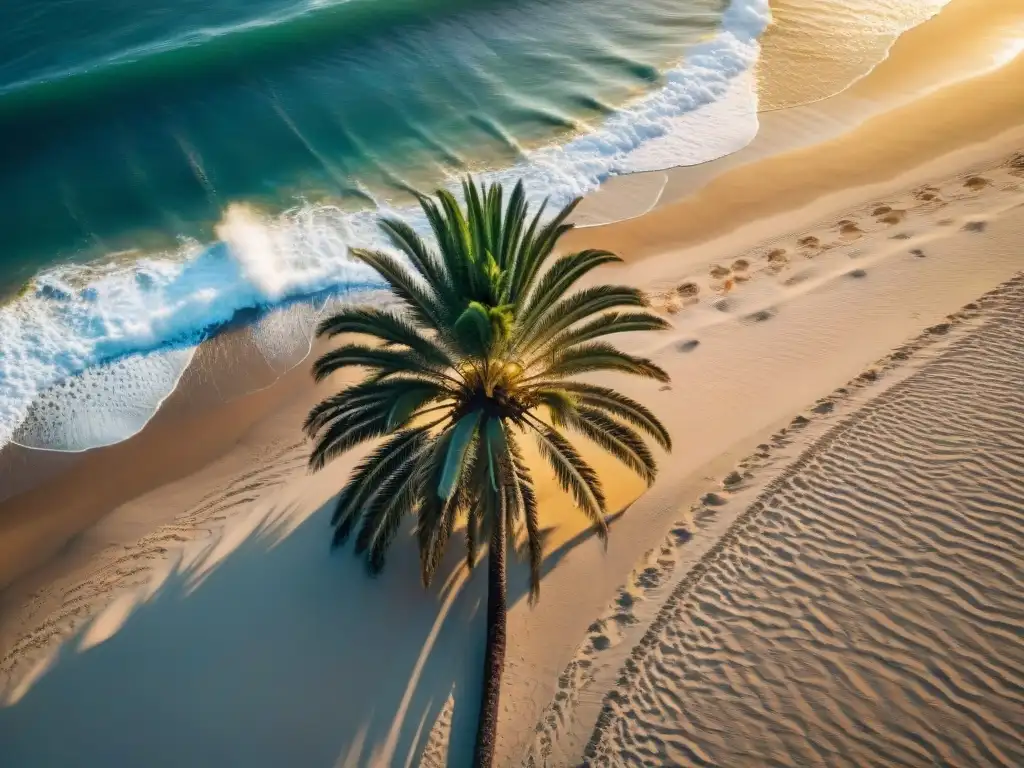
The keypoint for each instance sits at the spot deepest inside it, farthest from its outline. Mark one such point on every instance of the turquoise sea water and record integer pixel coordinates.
(144, 120)
(168, 164)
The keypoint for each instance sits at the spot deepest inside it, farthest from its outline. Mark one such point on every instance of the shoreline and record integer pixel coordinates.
(904, 79)
(624, 210)
(897, 78)
(933, 56)
(152, 487)
(793, 167)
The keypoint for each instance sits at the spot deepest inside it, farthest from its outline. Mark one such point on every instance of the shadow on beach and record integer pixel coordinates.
(280, 654)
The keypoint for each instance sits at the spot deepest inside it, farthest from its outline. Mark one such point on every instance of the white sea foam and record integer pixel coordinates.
(706, 133)
(82, 318)
(104, 404)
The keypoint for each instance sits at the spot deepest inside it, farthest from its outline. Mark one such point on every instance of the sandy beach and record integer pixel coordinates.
(864, 608)
(827, 571)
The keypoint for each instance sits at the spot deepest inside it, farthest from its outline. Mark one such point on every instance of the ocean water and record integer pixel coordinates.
(171, 163)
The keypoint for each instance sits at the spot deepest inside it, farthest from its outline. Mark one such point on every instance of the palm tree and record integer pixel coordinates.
(484, 355)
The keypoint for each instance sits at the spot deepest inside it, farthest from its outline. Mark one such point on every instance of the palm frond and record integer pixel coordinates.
(384, 512)
(421, 301)
(512, 229)
(574, 475)
(400, 449)
(616, 404)
(426, 263)
(530, 512)
(559, 278)
(538, 247)
(598, 356)
(346, 433)
(620, 441)
(389, 328)
(517, 290)
(560, 405)
(383, 361)
(386, 394)
(572, 309)
(463, 435)
(478, 511)
(606, 325)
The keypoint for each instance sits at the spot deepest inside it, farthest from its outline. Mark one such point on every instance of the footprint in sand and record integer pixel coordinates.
(976, 183)
(732, 481)
(810, 241)
(901, 236)
(882, 210)
(739, 269)
(687, 346)
(927, 194)
(688, 290)
(712, 499)
(760, 316)
(777, 256)
(974, 226)
(849, 230)
(945, 222)
(918, 252)
(680, 533)
(798, 278)
(858, 273)
(892, 218)
(718, 272)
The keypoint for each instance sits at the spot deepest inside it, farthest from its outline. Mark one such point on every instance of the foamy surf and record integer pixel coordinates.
(142, 321)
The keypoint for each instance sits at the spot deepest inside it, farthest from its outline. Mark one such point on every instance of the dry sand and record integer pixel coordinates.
(171, 600)
(866, 608)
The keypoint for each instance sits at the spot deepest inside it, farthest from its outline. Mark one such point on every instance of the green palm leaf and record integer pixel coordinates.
(618, 405)
(598, 356)
(573, 309)
(388, 327)
(574, 474)
(607, 324)
(455, 457)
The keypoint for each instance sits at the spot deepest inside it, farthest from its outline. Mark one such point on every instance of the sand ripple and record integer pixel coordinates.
(868, 610)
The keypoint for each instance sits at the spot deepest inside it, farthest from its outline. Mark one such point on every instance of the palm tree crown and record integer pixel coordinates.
(488, 345)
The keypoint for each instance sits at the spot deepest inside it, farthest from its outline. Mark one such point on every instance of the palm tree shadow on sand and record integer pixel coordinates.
(280, 654)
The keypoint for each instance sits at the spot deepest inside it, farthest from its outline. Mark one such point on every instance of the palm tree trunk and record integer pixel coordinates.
(494, 659)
